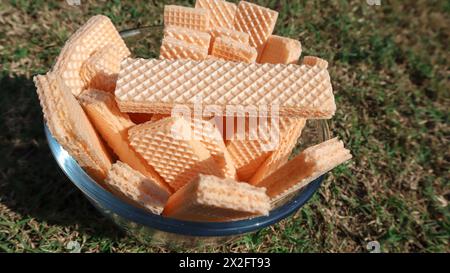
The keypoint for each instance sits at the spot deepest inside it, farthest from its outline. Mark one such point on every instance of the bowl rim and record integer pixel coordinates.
(113, 204)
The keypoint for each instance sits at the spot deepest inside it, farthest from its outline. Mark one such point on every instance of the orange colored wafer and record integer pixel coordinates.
(238, 36)
(177, 159)
(113, 127)
(298, 90)
(135, 187)
(97, 33)
(304, 168)
(281, 50)
(209, 198)
(197, 19)
(173, 49)
(187, 35)
(288, 139)
(70, 126)
(257, 145)
(315, 61)
(257, 21)
(100, 70)
(221, 12)
(231, 50)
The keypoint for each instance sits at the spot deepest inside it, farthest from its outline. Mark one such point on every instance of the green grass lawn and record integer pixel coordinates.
(390, 71)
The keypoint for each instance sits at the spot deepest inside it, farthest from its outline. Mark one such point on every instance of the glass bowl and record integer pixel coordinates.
(157, 230)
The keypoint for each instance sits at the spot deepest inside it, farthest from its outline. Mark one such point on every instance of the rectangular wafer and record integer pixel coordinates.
(173, 49)
(197, 19)
(177, 159)
(305, 167)
(209, 198)
(288, 140)
(231, 50)
(281, 50)
(211, 137)
(221, 12)
(257, 21)
(70, 126)
(98, 32)
(136, 188)
(100, 70)
(187, 35)
(250, 150)
(238, 36)
(113, 127)
(155, 86)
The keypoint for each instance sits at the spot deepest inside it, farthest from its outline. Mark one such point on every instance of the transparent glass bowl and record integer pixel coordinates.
(162, 231)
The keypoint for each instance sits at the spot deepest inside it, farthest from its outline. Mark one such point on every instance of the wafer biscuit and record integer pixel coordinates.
(155, 86)
(257, 145)
(315, 61)
(135, 187)
(288, 139)
(281, 50)
(221, 12)
(211, 137)
(257, 21)
(197, 19)
(304, 168)
(209, 198)
(187, 35)
(238, 36)
(177, 159)
(113, 127)
(92, 36)
(231, 50)
(173, 49)
(100, 70)
(70, 126)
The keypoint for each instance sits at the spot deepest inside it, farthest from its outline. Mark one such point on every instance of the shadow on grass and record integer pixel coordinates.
(31, 182)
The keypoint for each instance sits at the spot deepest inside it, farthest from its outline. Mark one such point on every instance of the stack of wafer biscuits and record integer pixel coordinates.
(190, 135)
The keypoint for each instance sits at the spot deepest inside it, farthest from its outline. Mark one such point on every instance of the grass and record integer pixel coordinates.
(389, 67)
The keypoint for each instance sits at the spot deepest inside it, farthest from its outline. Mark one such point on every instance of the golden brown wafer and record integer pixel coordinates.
(257, 21)
(299, 91)
(209, 198)
(70, 126)
(178, 159)
(221, 12)
(92, 36)
(304, 168)
(231, 50)
(136, 188)
(113, 127)
(173, 49)
(100, 70)
(197, 19)
(187, 35)
(281, 50)
(288, 140)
